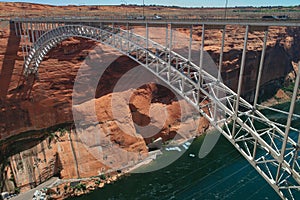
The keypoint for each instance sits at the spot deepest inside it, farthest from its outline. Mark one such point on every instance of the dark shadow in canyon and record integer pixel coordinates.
(9, 61)
(112, 75)
(24, 141)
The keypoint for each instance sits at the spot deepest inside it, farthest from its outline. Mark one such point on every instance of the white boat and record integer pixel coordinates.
(173, 149)
(187, 143)
(178, 149)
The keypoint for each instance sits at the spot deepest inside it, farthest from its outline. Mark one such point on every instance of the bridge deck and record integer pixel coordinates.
(153, 22)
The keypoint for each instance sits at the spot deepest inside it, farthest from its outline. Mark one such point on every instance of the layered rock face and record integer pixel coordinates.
(106, 136)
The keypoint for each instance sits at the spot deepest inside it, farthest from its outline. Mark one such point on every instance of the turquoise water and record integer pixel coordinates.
(223, 174)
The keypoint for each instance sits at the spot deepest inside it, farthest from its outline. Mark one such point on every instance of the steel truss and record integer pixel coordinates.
(268, 148)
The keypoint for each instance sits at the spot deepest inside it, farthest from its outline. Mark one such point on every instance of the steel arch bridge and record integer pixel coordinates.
(268, 147)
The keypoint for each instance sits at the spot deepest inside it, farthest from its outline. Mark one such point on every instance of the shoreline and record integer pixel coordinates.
(66, 188)
(83, 186)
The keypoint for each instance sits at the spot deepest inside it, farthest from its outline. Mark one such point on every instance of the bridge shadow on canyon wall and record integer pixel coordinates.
(13, 84)
(12, 81)
(9, 61)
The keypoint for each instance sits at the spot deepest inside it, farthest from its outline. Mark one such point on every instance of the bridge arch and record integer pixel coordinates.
(195, 85)
(155, 57)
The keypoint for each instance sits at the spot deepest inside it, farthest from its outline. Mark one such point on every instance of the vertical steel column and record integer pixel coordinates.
(36, 27)
(201, 54)
(147, 44)
(128, 45)
(220, 70)
(22, 42)
(16, 28)
(26, 37)
(32, 32)
(261, 64)
(221, 54)
(190, 50)
(48, 27)
(201, 62)
(170, 49)
(288, 123)
(167, 41)
(20, 29)
(258, 83)
(40, 29)
(113, 32)
(240, 80)
(37, 31)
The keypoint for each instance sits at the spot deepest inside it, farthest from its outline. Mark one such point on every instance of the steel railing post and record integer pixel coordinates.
(240, 81)
(261, 64)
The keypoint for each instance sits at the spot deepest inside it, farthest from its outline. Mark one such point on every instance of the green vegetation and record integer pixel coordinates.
(52, 135)
(80, 186)
(62, 131)
(17, 190)
(66, 187)
(289, 88)
(97, 182)
(102, 177)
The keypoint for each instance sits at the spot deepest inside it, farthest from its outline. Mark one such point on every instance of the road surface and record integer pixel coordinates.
(29, 194)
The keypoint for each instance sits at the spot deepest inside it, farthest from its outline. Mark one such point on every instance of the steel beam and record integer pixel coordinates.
(32, 32)
(201, 55)
(147, 44)
(170, 52)
(26, 38)
(221, 54)
(240, 82)
(201, 62)
(167, 40)
(288, 123)
(261, 65)
(22, 41)
(220, 70)
(16, 29)
(190, 44)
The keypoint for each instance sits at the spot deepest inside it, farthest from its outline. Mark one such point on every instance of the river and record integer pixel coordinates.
(223, 174)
